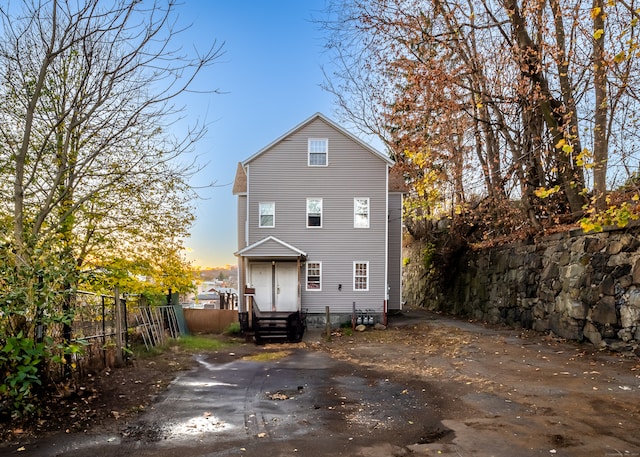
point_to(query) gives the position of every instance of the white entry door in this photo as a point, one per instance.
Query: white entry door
(276, 285)
(262, 280)
(287, 286)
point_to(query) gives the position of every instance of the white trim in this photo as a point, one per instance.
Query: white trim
(273, 204)
(369, 148)
(307, 277)
(326, 152)
(274, 239)
(368, 200)
(321, 213)
(365, 262)
(246, 210)
(386, 243)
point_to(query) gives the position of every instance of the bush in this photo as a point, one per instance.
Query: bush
(20, 363)
(233, 329)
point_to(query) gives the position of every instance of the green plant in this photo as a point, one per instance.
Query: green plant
(200, 343)
(346, 328)
(617, 215)
(233, 329)
(427, 255)
(141, 352)
(20, 361)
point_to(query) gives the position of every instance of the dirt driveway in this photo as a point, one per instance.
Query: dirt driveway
(511, 392)
(428, 385)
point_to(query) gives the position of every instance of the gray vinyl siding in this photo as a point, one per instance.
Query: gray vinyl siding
(242, 221)
(395, 251)
(271, 249)
(281, 175)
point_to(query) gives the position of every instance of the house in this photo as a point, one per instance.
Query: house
(319, 225)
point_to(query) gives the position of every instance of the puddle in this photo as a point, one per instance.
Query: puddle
(197, 425)
(186, 383)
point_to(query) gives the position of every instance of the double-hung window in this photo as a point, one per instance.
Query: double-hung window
(360, 275)
(314, 275)
(267, 215)
(318, 151)
(314, 212)
(361, 212)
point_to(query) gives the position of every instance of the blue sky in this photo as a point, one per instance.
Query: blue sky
(271, 75)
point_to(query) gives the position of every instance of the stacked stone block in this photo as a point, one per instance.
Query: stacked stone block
(577, 286)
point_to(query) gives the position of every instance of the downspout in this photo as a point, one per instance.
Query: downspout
(244, 282)
(299, 287)
(246, 219)
(386, 249)
(400, 291)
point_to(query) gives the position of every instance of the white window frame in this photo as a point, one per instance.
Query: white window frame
(319, 268)
(356, 220)
(308, 213)
(317, 146)
(265, 205)
(357, 276)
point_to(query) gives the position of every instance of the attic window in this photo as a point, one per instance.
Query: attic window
(318, 151)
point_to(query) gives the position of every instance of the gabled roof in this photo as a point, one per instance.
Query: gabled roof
(271, 247)
(240, 181)
(346, 133)
(397, 182)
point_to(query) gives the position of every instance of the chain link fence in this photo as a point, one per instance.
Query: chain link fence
(105, 327)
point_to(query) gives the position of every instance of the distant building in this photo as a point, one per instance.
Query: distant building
(208, 295)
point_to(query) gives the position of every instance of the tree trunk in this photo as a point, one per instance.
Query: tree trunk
(552, 110)
(600, 146)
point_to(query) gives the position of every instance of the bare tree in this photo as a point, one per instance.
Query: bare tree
(88, 91)
(92, 177)
(545, 89)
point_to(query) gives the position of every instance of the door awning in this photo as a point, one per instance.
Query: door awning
(271, 248)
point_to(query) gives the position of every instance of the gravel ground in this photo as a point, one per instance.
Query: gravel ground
(427, 385)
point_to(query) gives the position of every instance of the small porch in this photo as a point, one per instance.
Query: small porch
(273, 326)
(270, 307)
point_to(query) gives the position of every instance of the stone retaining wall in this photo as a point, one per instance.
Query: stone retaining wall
(578, 286)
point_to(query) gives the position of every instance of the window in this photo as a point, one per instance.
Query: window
(314, 276)
(267, 215)
(361, 212)
(314, 212)
(360, 275)
(318, 149)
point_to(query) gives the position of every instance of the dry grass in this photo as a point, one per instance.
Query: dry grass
(267, 356)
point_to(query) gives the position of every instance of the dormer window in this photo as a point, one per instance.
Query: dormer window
(318, 152)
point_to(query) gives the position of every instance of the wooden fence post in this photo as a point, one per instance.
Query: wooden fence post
(328, 322)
